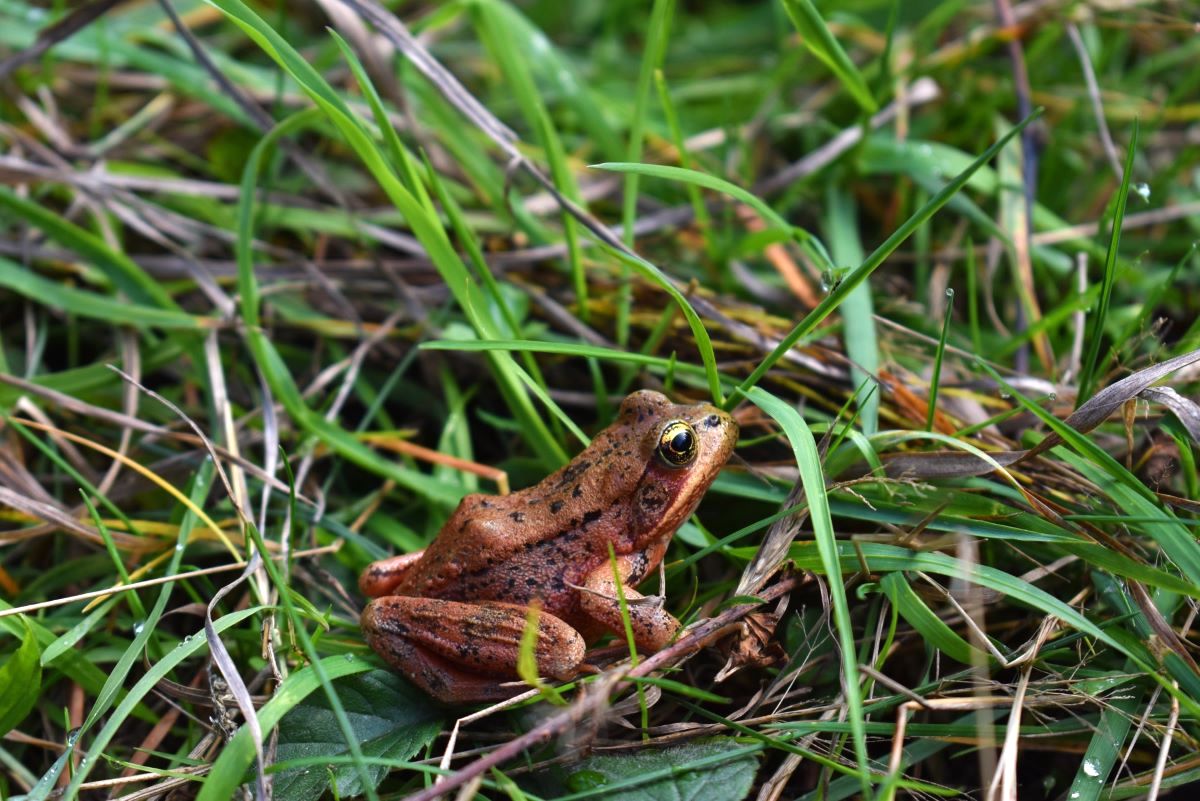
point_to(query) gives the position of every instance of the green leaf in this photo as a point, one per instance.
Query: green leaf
(676, 773)
(20, 681)
(821, 43)
(391, 719)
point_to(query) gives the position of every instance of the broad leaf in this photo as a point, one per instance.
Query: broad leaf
(20, 682)
(679, 773)
(391, 718)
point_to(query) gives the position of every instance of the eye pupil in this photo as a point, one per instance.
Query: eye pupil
(677, 444)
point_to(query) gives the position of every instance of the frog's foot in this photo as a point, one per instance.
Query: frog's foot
(653, 626)
(461, 652)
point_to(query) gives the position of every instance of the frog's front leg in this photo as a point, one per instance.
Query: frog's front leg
(653, 627)
(460, 652)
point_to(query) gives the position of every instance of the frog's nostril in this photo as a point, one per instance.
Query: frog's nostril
(712, 421)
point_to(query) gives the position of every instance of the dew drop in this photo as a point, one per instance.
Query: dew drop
(138, 627)
(950, 292)
(1143, 190)
(830, 278)
(1091, 768)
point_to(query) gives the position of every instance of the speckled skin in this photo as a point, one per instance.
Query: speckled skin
(451, 617)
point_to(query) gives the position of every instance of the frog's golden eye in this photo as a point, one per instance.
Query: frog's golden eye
(677, 444)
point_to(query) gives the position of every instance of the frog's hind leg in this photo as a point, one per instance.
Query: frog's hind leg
(383, 576)
(460, 652)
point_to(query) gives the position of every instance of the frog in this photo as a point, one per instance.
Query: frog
(451, 617)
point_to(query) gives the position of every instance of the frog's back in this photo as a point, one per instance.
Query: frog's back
(537, 541)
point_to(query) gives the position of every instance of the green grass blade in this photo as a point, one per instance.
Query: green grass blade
(652, 58)
(932, 629)
(701, 179)
(499, 28)
(812, 475)
(935, 379)
(59, 295)
(859, 334)
(1123, 487)
(1087, 377)
(568, 349)
(124, 273)
(821, 43)
(703, 341)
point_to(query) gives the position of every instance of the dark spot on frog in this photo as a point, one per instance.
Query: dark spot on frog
(485, 504)
(592, 516)
(575, 470)
(517, 517)
(577, 492)
(556, 507)
(652, 500)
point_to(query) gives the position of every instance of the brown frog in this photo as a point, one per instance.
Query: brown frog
(451, 617)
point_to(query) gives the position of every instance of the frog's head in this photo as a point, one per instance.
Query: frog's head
(682, 448)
